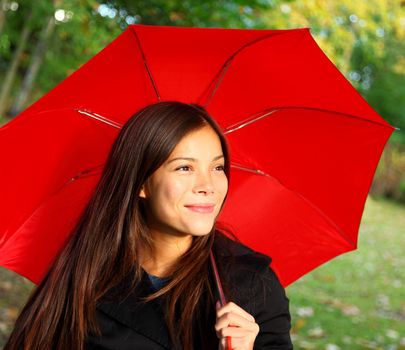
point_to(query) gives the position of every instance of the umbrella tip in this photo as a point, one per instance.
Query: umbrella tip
(396, 128)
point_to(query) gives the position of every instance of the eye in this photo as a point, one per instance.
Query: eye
(183, 167)
(220, 167)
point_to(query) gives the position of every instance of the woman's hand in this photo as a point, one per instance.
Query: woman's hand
(234, 322)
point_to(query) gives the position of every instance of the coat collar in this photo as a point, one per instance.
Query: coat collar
(145, 318)
(226, 247)
(148, 318)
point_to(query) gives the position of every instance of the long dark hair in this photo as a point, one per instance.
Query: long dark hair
(104, 244)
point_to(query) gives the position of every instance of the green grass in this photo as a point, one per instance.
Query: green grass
(356, 301)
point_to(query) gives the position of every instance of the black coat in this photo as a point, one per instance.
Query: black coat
(129, 325)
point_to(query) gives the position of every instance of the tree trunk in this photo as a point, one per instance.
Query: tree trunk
(12, 71)
(35, 64)
(2, 14)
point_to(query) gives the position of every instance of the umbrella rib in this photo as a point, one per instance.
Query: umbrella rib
(250, 170)
(88, 113)
(227, 63)
(146, 64)
(85, 173)
(99, 117)
(80, 175)
(247, 121)
(312, 205)
(253, 119)
(222, 72)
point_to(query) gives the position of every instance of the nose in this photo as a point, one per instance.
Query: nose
(203, 183)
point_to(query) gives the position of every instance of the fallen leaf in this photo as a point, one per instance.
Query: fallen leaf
(12, 312)
(316, 332)
(350, 310)
(299, 323)
(6, 286)
(390, 333)
(306, 311)
(306, 345)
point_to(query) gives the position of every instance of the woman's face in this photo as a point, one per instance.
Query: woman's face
(184, 195)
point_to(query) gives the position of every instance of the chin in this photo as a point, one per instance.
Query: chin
(201, 231)
(200, 234)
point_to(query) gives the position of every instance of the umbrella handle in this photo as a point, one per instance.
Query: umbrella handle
(222, 298)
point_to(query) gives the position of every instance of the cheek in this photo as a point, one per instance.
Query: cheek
(222, 185)
(172, 191)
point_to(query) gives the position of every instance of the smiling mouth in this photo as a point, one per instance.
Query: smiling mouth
(205, 209)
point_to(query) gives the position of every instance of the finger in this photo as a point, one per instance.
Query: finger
(231, 306)
(234, 319)
(236, 333)
(222, 343)
(242, 343)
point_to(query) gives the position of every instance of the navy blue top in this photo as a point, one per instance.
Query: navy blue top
(158, 282)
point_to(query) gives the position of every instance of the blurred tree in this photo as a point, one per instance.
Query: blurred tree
(3, 4)
(63, 35)
(208, 13)
(23, 21)
(35, 61)
(365, 40)
(15, 62)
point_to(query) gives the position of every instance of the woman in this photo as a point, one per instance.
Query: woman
(136, 273)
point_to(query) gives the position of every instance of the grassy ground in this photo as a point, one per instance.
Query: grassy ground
(356, 301)
(14, 291)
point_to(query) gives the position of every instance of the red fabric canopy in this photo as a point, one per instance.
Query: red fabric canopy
(304, 143)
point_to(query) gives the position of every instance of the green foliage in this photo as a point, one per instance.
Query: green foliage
(365, 40)
(208, 13)
(74, 42)
(84, 27)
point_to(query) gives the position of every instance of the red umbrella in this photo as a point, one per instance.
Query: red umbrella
(304, 144)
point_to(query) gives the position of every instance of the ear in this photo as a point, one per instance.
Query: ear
(142, 193)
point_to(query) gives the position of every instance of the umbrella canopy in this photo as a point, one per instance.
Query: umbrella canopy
(304, 144)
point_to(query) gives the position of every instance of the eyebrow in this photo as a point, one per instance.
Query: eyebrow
(193, 159)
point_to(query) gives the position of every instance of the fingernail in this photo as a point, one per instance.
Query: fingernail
(217, 305)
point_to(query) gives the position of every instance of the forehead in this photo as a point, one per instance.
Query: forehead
(204, 140)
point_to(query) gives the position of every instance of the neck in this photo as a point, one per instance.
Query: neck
(167, 251)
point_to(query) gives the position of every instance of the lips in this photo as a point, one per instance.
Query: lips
(201, 207)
